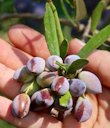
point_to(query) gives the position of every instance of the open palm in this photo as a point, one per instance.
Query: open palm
(27, 43)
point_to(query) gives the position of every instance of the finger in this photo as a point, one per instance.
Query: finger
(71, 122)
(8, 86)
(11, 56)
(99, 61)
(75, 45)
(31, 121)
(28, 40)
(103, 119)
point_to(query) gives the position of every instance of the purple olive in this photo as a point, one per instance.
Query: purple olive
(92, 82)
(51, 62)
(71, 58)
(41, 99)
(21, 105)
(23, 75)
(60, 85)
(83, 109)
(45, 79)
(77, 87)
(36, 65)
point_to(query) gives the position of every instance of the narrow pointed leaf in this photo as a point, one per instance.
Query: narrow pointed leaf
(96, 41)
(57, 22)
(70, 3)
(62, 66)
(50, 31)
(76, 65)
(67, 14)
(96, 15)
(81, 11)
(60, 71)
(63, 48)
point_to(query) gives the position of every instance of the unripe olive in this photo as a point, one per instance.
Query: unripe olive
(23, 75)
(45, 79)
(30, 88)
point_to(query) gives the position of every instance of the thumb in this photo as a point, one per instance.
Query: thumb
(99, 61)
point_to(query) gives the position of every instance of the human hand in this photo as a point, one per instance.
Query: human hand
(33, 44)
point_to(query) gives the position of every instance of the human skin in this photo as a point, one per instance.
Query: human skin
(28, 43)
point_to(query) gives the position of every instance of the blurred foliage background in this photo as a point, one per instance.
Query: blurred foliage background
(79, 18)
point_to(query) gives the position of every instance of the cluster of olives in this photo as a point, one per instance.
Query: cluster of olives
(45, 87)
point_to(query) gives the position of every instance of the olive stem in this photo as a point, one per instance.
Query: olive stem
(26, 92)
(61, 116)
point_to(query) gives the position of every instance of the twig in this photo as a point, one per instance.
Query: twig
(7, 16)
(86, 31)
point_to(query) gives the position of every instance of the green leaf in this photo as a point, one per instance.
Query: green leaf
(63, 48)
(62, 66)
(30, 88)
(60, 71)
(66, 32)
(57, 22)
(70, 3)
(96, 41)
(96, 15)
(81, 11)
(64, 100)
(76, 65)
(50, 31)
(67, 14)
(5, 6)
